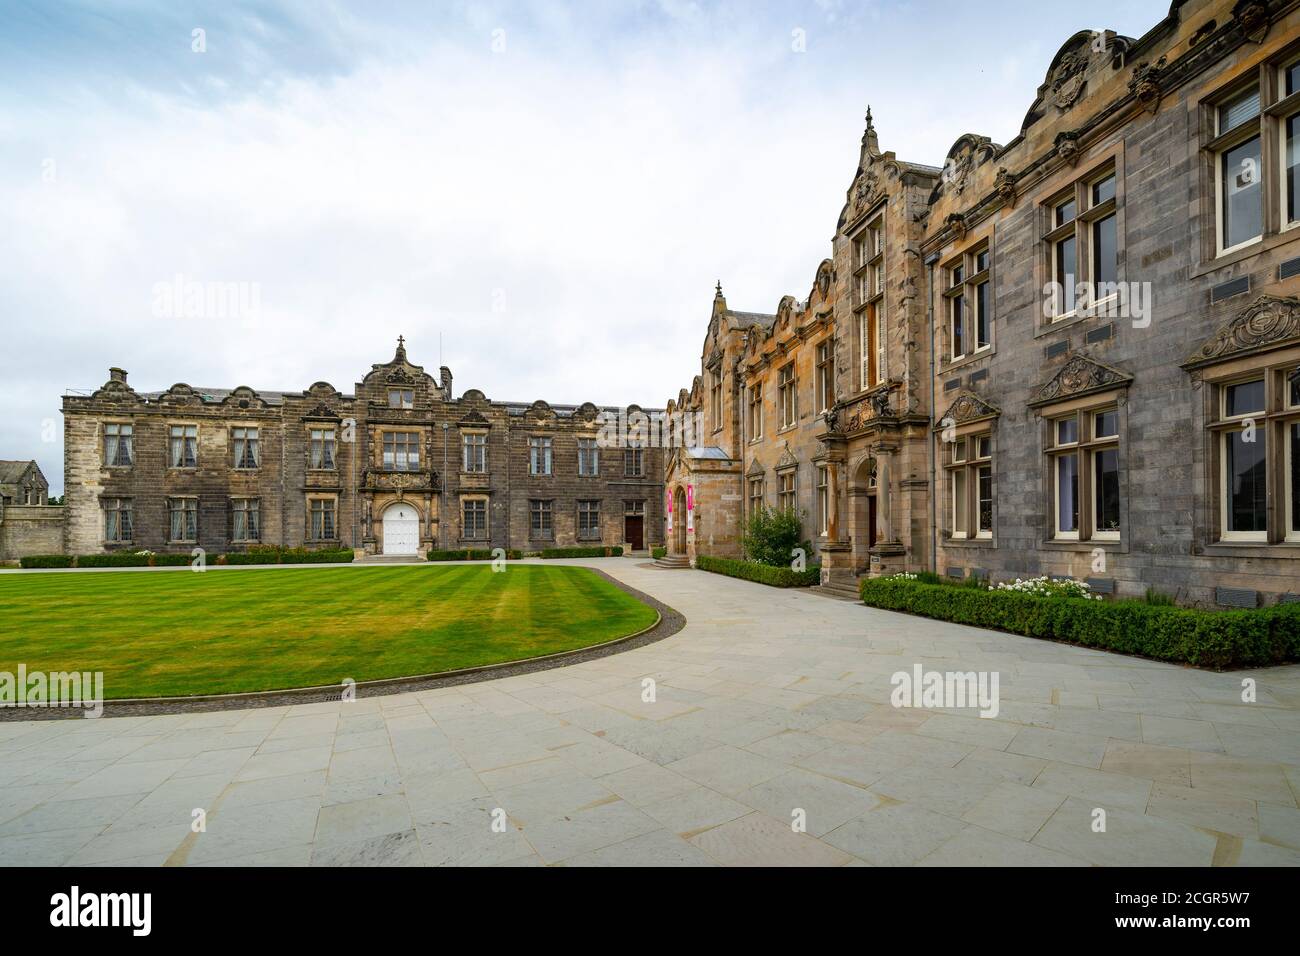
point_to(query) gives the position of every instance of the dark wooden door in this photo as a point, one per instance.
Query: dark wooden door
(634, 531)
(871, 521)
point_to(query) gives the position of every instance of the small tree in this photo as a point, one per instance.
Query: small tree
(772, 536)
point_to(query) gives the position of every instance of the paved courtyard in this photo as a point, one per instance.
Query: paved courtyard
(770, 709)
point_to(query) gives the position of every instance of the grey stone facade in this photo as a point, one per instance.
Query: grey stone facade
(329, 466)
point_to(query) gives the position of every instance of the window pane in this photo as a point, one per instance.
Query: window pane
(1105, 266)
(1291, 172)
(985, 447)
(1243, 207)
(1065, 212)
(1247, 481)
(981, 260)
(1067, 493)
(986, 498)
(1106, 488)
(983, 335)
(1103, 190)
(959, 501)
(1245, 397)
(1237, 111)
(1295, 393)
(1292, 78)
(1105, 424)
(1295, 476)
(1066, 264)
(958, 328)
(1067, 431)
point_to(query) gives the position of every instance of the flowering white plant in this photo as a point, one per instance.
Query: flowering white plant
(902, 576)
(1044, 586)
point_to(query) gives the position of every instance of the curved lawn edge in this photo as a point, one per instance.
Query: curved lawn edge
(669, 621)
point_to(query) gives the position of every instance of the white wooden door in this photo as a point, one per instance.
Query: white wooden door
(401, 530)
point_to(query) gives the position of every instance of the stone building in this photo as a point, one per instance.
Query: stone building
(399, 466)
(1089, 338)
(29, 524)
(22, 483)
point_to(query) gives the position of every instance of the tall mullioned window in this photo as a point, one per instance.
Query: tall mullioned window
(245, 443)
(473, 522)
(184, 515)
(322, 448)
(118, 524)
(1083, 246)
(1084, 455)
(539, 456)
(825, 375)
(633, 462)
(321, 513)
(786, 496)
(869, 302)
(541, 524)
(118, 450)
(246, 519)
(474, 453)
(589, 520)
(756, 410)
(588, 458)
(401, 451)
(970, 481)
(183, 446)
(787, 396)
(823, 500)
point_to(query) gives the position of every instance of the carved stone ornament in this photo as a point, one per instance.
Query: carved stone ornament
(1254, 19)
(1079, 376)
(322, 411)
(866, 192)
(1067, 80)
(1145, 84)
(967, 407)
(399, 376)
(787, 459)
(1266, 323)
(956, 223)
(832, 417)
(1067, 146)
(1005, 186)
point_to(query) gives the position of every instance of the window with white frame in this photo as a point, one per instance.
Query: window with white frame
(588, 458)
(246, 519)
(823, 499)
(1289, 119)
(1084, 459)
(969, 464)
(825, 366)
(321, 514)
(1083, 246)
(541, 525)
(473, 519)
(401, 451)
(786, 495)
(244, 441)
(473, 446)
(183, 449)
(969, 304)
(756, 410)
(118, 450)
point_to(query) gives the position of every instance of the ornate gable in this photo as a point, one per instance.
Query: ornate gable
(967, 407)
(1267, 323)
(1080, 375)
(787, 459)
(756, 470)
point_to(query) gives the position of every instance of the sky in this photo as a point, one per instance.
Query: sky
(538, 194)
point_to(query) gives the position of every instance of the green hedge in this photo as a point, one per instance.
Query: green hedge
(172, 560)
(1215, 639)
(274, 554)
(118, 559)
(471, 554)
(46, 561)
(658, 553)
(582, 552)
(781, 577)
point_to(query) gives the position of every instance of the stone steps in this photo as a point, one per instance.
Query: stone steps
(838, 591)
(673, 561)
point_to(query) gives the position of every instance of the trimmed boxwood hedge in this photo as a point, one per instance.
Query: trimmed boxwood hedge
(46, 561)
(582, 552)
(118, 559)
(1214, 639)
(274, 554)
(172, 560)
(470, 554)
(658, 553)
(780, 577)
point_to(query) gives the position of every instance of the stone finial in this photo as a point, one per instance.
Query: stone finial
(869, 134)
(400, 355)
(718, 291)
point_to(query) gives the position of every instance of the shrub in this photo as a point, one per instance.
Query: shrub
(172, 560)
(613, 552)
(1047, 587)
(46, 561)
(782, 577)
(1184, 635)
(1158, 598)
(274, 554)
(117, 559)
(658, 553)
(470, 554)
(771, 537)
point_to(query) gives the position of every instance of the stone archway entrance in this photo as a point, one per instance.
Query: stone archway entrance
(679, 521)
(401, 525)
(864, 493)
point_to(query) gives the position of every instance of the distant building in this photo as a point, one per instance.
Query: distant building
(22, 483)
(28, 523)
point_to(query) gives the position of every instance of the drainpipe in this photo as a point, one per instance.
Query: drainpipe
(934, 499)
(442, 516)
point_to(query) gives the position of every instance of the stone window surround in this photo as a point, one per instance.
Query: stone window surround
(984, 428)
(197, 530)
(103, 438)
(538, 507)
(334, 458)
(246, 540)
(122, 505)
(1117, 399)
(754, 393)
(377, 455)
(866, 346)
(487, 517)
(717, 397)
(256, 429)
(792, 471)
(824, 373)
(1268, 75)
(198, 434)
(1077, 184)
(965, 257)
(465, 447)
(591, 535)
(307, 536)
(787, 389)
(548, 458)
(595, 439)
(1273, 367)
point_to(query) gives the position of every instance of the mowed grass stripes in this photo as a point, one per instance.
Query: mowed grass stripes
(179, 633)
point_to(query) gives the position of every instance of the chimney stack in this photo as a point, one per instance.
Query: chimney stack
(117, 375)
(446, 383)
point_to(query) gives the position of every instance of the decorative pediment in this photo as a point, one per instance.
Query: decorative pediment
(321, 412)
(587, 412)
(1080, 375)
(323, 390)
(756, 470)
(787, 459)
(244, 397)
(181, 394)
(1267, 323)
(1088, 51)
(116, 391)
(474, 419)
(540, 411)
(967, 407)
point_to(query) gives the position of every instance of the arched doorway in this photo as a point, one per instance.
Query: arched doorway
(401, 529)
(865, 495)
(679, 521)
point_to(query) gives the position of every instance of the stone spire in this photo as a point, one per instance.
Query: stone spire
(869, 135)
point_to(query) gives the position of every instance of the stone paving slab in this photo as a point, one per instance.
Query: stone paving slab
(769, 740)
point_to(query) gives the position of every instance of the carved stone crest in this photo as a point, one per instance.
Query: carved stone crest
(1005, 186)
(1145, 84)
(1267, 322)
(1079, 376)
(1067, 80)
(967, 407)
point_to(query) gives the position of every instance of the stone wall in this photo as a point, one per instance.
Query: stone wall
(30, 529)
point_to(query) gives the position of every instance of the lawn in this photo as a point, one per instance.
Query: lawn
(176, 633)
